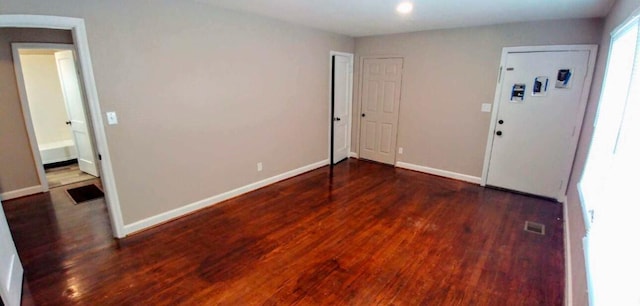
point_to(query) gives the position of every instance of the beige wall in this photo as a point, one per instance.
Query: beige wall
(17, 168)
(620, 11)
(448, 74)
(46, 103)
(212, 93)
(202, 95)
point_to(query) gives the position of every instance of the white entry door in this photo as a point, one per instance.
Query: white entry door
(10, 267)
(75, 108)
(381, 84)
(539, 113)
(342, 79)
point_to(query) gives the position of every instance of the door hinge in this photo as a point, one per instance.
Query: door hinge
(592, 215)
(99, 156)
(500, 74)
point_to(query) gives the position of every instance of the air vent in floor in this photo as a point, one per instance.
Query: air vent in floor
(534, 227)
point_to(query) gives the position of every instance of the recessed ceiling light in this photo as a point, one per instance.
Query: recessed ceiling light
(404, 7)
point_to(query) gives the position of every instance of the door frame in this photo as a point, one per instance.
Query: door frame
(79, 33)
(24, 102)
(349, 102)
(584, 97)
(360, 87)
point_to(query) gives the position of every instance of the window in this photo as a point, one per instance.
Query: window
(610, 185)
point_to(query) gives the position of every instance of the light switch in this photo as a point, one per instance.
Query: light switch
(486, 108)
(112, 118)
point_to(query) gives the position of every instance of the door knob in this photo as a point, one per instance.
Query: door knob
(363, 115)
(499, 133)
(500, 121)
(337, 119)
(68, 123)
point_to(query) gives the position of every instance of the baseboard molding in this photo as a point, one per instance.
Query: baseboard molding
(439, 172)
(8, 195)
(60, 163)
(189, 208)
(353, 154)
(568, 281)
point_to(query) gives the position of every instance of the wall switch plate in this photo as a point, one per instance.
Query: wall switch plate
(259, 166)
(486, 107)
(112, 118)
(400, 150)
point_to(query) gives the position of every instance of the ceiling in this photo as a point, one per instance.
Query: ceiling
(373, 17)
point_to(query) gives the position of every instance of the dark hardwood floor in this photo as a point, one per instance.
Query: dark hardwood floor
(365, 234)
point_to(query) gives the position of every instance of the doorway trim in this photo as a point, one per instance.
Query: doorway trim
(24, 102)
(584, 97)
(26, 113)
(349, 103)
(79, 33)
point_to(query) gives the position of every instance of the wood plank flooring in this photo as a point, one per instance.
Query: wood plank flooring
(364, 234)
(66, 175)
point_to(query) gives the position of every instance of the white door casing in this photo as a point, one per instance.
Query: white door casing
(343, 76)
(380, 106)
(11, 270)
(26, 113)
(532, 142)
(74, 101)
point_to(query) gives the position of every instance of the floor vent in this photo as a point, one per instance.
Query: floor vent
(533, 227)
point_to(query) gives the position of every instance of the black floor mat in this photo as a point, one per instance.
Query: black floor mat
(85, 193)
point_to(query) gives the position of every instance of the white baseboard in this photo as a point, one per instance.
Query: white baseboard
(439, 172)
(8, 195)
(568, 285)
(189, 208)
(353, 154)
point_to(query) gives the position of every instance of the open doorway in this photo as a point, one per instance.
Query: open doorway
(55, 114)
(77, 29)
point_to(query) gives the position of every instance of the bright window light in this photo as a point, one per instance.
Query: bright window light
(404, 7)
(609, 184)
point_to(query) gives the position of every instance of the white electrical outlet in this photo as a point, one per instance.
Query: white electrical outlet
(259, 166)
(486, 108)
(400, 150)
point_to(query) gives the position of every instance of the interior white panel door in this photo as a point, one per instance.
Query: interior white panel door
(75, 108)
(381, 84)
(532, 149)
(11, 270)
(342, 111)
